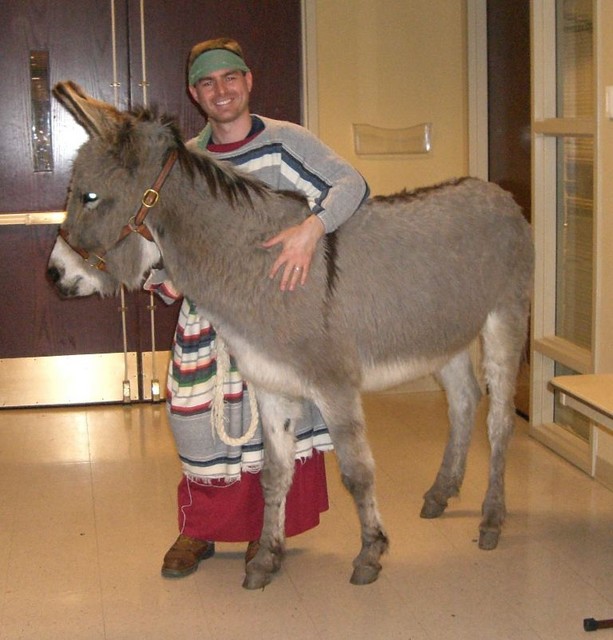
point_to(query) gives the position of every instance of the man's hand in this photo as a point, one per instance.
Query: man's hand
(299, 244)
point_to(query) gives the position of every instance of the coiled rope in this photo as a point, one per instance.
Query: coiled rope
(218, 418)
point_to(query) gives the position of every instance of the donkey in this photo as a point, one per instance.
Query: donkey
(398, 292)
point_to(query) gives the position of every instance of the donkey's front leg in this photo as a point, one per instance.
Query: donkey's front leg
(342, 412)
(278, 415)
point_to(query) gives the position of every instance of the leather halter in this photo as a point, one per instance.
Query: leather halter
(136, 224)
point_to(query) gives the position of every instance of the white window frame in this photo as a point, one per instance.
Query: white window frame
(546, 347)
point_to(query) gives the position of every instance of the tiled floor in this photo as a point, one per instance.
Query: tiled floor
(87, 510)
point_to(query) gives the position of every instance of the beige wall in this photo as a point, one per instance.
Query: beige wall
(394, 64)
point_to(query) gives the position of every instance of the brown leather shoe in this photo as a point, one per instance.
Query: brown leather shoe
(252, 548)
(185, 555)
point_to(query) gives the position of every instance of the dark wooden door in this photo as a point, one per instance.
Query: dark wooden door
(508, 54)
(508, 51)
(129, 52)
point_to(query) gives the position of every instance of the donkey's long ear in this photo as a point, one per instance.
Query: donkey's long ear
(96, 117)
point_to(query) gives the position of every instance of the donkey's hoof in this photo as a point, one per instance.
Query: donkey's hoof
(432, 509)
(365, 574)
(256, 580)
(488, 540)
(261, 568)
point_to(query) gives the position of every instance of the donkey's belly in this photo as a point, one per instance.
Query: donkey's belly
(263, 370)
(385, 375)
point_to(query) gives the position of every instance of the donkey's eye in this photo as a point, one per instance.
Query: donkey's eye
(90, 200)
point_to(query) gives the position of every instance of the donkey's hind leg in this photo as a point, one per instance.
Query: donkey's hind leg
(342, 412)
(278, 415)
(504, 336)
(463, 394)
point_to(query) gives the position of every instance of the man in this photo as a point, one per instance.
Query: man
(219, 496)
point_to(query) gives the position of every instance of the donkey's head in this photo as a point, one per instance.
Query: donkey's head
(113, 173)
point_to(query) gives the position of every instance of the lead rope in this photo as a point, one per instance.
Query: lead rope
(218, 420)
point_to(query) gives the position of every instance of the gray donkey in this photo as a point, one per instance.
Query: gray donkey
(398, 292)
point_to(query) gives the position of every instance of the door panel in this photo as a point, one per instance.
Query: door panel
(76, 379)
(509, 152)
(35, 321)
(81, 46)
(508, 53)
(36, 324)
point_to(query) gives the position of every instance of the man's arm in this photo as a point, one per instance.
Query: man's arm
(335, 191)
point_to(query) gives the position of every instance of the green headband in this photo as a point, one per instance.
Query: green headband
(214, 60)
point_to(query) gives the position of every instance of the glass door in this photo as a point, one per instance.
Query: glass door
(563, 128)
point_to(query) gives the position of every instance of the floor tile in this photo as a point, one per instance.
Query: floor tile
(88, 511)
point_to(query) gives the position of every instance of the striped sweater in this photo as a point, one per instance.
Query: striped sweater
(287, 156)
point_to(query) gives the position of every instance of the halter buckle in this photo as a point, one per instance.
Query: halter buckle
(150, 198)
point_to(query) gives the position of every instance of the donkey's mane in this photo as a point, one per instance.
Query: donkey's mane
(415, 194)
(222, 178)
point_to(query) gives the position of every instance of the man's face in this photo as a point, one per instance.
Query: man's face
(223, 95)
